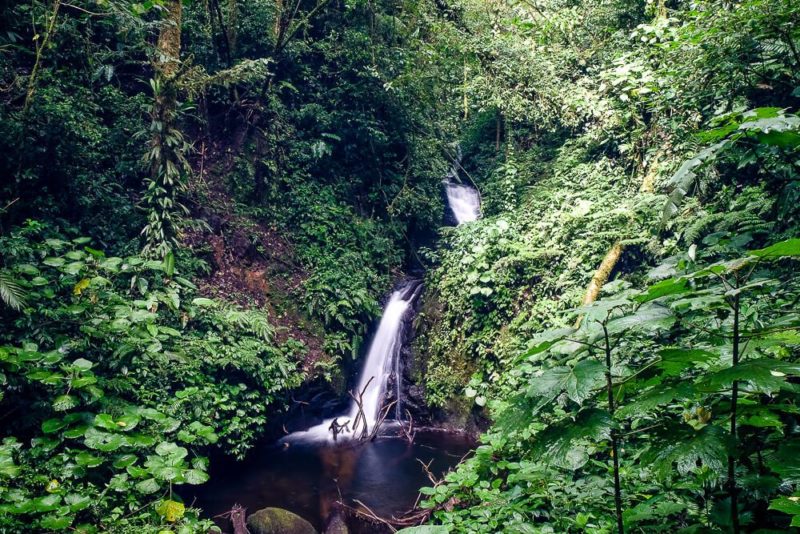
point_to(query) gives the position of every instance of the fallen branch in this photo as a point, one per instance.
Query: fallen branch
(237, 516)
(381, 419)
(601, 277)
(409, 433)
(360, 417)
(372, 515)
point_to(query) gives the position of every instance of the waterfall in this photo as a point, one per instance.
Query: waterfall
(383, 358)
(381, 363)
(463, 201)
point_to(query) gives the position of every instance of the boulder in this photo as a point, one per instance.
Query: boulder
(278, 521)
(336, 525)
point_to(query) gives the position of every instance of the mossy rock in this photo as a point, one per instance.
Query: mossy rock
(278, 521)
(336, 525)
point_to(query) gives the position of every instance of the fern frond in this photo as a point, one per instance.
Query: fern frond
(253, 322)
(11, 293)
(699, 227)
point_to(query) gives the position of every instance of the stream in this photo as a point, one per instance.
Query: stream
(309, 471)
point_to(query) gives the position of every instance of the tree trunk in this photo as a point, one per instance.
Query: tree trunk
(168, 47)
(41, 46)
(733, 491)
(233, 18)
(466, 102)
(601, 276)
(277, 30)
(166, 157)
(614, 437)
(498, 130)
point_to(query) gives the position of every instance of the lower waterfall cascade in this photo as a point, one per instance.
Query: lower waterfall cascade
(381, 363)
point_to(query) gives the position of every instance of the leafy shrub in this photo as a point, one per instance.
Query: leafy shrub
(121, 378)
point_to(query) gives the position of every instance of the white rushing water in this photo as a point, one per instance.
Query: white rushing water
(464, 201)
(381, 362)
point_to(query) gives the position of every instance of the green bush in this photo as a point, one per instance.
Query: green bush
(120, 378)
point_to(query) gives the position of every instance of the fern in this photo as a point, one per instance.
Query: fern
(684, 179)
(11, 292)
(253, 322)
(698, 228)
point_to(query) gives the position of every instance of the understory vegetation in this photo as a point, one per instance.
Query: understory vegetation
(204, 202)
(627, 308)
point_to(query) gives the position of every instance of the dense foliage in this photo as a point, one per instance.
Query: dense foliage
(183, 138)
(668, 166)
(113, 375)
(203, 203)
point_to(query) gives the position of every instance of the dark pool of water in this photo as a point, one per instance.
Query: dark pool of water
(308, 479)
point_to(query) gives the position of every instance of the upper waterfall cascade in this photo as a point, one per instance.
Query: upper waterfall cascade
(464, 201)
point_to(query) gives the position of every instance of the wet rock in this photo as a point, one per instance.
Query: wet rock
(336, 525)
(414, 402)
(278, 521)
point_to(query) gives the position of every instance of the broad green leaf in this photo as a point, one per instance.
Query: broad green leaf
(51, 426)
(75, 432)
(579, 381)
(123, 461)
(169, 264)
(656, 507)
(687, 451)
(171, 511)
(54, 261)
(785, 461)
(788, 248)
(63, 403)
(664, 288)
(77, 502)
(568, 443)
(147, 486)
(675, 361)
(56, 522)
(103, 441)
(195, 476)
(171, 450)
(764, 375)
(82, 363)
(652, 399)
(648, 318)
(47, 503)
(104, 420)
(787, 505)
(88, 460)
(545, 340)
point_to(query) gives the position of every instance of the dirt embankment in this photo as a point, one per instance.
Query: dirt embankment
(251, 263)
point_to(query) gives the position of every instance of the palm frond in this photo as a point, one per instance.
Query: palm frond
(11, 293)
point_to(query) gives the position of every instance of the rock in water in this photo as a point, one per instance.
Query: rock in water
(336, 525)
(278, 521)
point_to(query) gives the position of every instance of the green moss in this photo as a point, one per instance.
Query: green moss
(278, 521)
